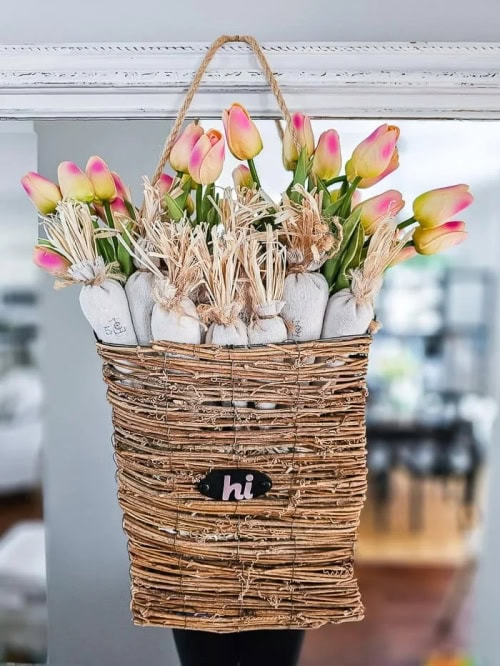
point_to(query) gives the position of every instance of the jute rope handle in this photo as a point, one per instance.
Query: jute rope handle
(223, 39)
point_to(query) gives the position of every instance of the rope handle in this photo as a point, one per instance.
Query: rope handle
(220, 41)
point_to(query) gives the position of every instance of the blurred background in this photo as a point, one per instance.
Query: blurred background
(433, 402)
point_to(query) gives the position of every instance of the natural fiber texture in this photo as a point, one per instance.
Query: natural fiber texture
(283, 560)
(181, 115)
(383, 248)
(306, 233)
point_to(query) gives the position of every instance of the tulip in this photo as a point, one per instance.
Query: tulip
(304, 138)
(242, 136)
(43, 193)
(379, 208)
(118, 206)
(432, 208)
(436, 239)
(122, 190)
(327, 156)
(183, 147)
(74, 183)
(190, 205)
(164, 184)
(50, 261)
(207, 158)
(101, 178)
(369, 182)
(372, 157)
(242, 177)
(405, 254)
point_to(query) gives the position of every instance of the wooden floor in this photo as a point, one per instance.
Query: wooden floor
(402, 604)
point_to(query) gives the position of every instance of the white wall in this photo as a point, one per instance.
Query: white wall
(88, 581)
(33, 21)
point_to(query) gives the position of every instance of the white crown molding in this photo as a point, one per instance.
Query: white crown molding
(414, 80)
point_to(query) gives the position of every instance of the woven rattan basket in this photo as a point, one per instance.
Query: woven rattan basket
(283, 559)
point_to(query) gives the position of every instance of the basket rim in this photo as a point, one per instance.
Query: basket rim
(157, 344)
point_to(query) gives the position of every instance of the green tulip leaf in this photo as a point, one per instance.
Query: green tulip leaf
(351, 259)
(300, 175)
(175, 208)
(331, 268)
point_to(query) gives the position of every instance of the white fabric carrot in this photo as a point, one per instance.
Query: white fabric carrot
(351, 311)
(102, 298)
(264, 264)
(309, 244)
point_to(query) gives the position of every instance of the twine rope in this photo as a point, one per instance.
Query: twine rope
(181, 116)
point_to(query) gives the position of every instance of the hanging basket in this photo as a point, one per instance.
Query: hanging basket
(241, 471)
(191, 437)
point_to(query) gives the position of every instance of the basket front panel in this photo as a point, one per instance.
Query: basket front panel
(293, 412)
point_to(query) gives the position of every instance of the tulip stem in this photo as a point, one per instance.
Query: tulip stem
(131, 209)
(199, 198)
(253, 172)
(344, 211)
(338, 179)
(109, 214)
(407, 223)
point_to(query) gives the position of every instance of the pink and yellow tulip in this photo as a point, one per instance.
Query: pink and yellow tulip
(50, 261)
(369, 182)
(183, 147)
(432, 208)
(164, 184)
(436, 239)
(327, 159)
(371, 158)
(101, 178)
(242, 177)
(122, 190)
(207, 158)
(43, 193)
(118, 207)
(379, 208)
(242, 136)
(304, 138)
(74, 183)
(405, 254)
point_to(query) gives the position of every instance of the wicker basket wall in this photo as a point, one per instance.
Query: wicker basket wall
(281, 560)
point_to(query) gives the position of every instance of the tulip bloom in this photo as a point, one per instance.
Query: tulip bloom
(432, 208)
(379, 208)
(122, 190)
(372, 157)
(50, 261)
(183, 147)
(242, 136)
(101, 178)
(118, 206)
(207, 158)
(164, 184)
(437, 239)
(242, 177)
(304, 137)
(369, 182)
(43, 193)
(327, 156)
(405, 254)
(74, 183)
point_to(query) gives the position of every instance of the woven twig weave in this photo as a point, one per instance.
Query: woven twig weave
(282, 560)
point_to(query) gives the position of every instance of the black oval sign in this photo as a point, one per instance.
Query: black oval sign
(234, 485)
